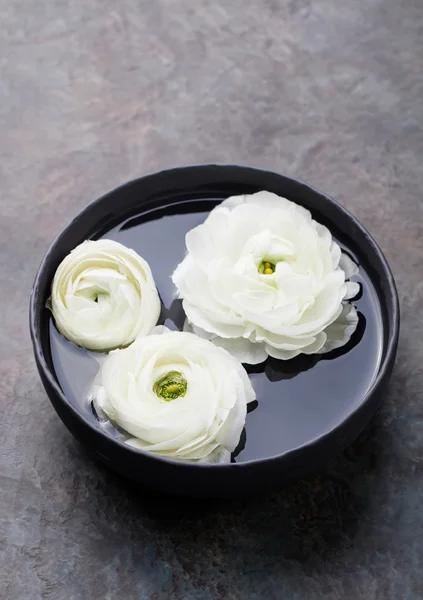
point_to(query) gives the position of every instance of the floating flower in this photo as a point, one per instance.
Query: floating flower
(103, 296)
(261, 278)
(176, 395)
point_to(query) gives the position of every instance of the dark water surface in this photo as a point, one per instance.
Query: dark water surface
(297, 400)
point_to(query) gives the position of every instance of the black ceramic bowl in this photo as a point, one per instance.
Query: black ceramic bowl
(309, 408)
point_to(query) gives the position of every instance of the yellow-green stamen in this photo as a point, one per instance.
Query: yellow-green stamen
(171, 386)
(266, 268)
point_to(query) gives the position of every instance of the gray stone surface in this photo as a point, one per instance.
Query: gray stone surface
(95, 92)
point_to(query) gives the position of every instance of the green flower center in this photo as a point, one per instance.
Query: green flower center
(266, 268)
(171, 386)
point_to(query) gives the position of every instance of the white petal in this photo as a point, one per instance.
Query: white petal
(160, 330)
(242, 349)
(340, 331)
(313, 347)
(203, 320)
(219, 456)
(353, 289)
(348, 266)
(336, 254)
(268, 201)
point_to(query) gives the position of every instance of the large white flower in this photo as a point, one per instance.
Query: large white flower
(261, 277)
(103, 296)
(178, 395)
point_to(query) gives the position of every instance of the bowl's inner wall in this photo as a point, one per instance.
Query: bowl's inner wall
(299, 400)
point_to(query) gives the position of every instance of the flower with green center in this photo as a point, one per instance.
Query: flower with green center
(176, 395)
(171, 386)
(262, 278)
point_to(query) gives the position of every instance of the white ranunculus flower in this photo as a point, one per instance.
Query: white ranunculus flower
(261, 278)
(103, 296)
(178, 395)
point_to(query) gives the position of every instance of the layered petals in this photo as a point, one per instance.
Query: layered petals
(261, 277)
(103, 296)
(176, 395)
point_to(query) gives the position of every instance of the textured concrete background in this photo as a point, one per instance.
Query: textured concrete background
(95, 92)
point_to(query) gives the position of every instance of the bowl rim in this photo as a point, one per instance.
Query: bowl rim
(385, 366)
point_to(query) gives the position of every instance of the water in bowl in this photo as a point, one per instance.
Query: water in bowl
(297, 400)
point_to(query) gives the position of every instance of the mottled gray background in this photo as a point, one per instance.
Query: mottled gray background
(95, 92)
